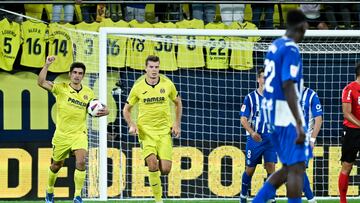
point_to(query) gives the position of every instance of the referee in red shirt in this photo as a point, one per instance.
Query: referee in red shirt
(351, 138)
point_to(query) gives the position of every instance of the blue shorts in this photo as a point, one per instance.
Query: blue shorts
(256, 150)
(283, 139)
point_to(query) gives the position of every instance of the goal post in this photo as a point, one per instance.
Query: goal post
(337, 48)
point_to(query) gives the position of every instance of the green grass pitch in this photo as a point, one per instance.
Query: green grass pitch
(172, 201)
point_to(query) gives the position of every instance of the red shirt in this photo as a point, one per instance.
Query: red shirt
(351, 94)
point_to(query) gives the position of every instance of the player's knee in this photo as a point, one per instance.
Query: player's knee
(165, 170)
(250, 171)
(270, 167)
(152, 165)
(346, 167)
(80, 164)
(56, 166)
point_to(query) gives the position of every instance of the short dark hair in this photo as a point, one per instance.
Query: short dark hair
(151, 58)
(77, 65)
(357, 69)
(259, 71)
(294, 17)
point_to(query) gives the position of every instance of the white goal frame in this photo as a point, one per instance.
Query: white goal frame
(104, 31)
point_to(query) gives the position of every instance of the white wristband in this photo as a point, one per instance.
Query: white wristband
(312, 139)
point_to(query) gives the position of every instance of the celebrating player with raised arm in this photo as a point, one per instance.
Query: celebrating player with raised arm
(312, 110)
(351, 139)
(258, 142)
(282, 110)
(153, 93)
(70, 136)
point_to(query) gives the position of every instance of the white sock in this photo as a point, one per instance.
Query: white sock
(312, 200)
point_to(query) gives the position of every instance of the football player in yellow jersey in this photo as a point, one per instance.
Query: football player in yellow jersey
(70, 136)
(153, 93)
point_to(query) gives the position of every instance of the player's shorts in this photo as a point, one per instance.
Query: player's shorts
(63, 146)
(350, 144)
(256, 150)
(159, 145)
(284, 141)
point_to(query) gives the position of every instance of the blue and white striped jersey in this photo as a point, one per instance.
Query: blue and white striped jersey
(251, 109)
(311, 107)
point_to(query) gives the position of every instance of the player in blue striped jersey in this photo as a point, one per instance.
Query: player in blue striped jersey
(312, 110)
(258, 142)
(282, 110)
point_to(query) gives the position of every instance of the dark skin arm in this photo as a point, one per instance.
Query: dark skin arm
(290, 96)
(346, 107)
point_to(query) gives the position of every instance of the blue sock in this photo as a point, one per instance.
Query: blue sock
(294, 200)
(307, 190)
(267, 192)
(273, 197)
(246, 180)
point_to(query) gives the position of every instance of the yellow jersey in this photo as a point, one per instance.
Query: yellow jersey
(242, 47)
(116, 52)
(60, 46)
(217, 48)
(34, 35)
(34, 10)
(71, 108)
(154, 113)
(190, 48)
(10, 43)
(87, 50)
(164, 48)
(138, 48)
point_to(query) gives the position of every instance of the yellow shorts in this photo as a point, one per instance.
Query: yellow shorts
(160, 145)
(63, 147)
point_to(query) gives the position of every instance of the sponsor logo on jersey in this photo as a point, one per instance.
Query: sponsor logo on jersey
(152, 100)
(318, 107)
(243, 108)
(77, 102)
(294, 70)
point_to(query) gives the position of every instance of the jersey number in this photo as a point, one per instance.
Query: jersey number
(191, 43)
(165, 45)
(90, 44)
(113, 47)
(269, 74)
(140, 45)
(220, 45)
(60, 47)
(34, 47)
(7, 45)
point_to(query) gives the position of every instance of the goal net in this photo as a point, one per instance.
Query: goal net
(213, 70)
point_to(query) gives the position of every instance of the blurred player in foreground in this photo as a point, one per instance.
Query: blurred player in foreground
(282, 110)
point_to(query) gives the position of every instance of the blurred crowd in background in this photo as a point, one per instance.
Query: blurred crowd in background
(264, 16)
